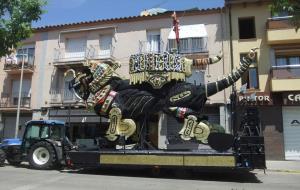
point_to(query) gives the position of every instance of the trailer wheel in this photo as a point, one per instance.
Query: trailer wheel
(42, 156)
(13, 162)
(2, 157)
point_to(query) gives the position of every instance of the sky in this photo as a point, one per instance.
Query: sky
(70, 11)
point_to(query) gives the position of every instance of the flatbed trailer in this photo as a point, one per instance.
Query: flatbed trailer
(247, 153)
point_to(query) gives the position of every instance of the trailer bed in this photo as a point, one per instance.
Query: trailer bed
(195, 158)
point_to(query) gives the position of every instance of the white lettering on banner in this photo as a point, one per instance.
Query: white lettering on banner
(294, 97)
(255, 98)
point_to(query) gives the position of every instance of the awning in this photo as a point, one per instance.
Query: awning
(189, 31)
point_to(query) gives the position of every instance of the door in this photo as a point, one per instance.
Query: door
(291, 130)
(105, 43)
(68, 94)
(25, 93)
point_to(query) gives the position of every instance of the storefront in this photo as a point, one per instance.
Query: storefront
(8, 124)
(291, 124)
(270, 119)
(82, 123)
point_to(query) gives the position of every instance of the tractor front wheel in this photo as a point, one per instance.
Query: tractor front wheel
(42, 156)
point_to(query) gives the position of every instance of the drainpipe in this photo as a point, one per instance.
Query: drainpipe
(19, 99)
(233, 88)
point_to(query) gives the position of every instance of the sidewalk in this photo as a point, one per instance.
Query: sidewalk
(284, 166)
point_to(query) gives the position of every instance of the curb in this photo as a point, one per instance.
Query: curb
(283, 171)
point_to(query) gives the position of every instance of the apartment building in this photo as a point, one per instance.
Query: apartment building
(54, 49)
(272, 83)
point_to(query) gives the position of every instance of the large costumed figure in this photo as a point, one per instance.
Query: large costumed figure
(157, 84)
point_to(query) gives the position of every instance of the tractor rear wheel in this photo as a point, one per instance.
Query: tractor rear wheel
(2, 157)
(42, 156)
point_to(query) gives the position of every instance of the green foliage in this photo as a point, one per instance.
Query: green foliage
(16, 17)
(292, 7)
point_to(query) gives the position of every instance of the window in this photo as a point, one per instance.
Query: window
(33, 132)
(287, 60)
(250, 77)
(189, 45)
(55, 133)
(25, 94)
(27, 54)
(247, 28)
(153, 41)
(105, 46)
(197, 77)
(75, 48)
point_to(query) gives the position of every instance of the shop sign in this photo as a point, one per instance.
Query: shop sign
(295, 123)
(294, 97)
(257, 98)
(291, 98)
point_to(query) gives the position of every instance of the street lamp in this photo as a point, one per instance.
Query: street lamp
(19, 97)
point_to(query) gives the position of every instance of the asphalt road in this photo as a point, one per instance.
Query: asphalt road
(23, 178)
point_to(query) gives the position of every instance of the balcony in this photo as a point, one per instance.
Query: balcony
(190, 46)
(77, 56)
(97, 53)
(147, 47)
(13, 64)
(10, 101)
(63, 96)
(285, 78)
(280, 31)
(68, 57)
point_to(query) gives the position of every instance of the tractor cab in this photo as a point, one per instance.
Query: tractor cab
(42, 145)
(44, 130)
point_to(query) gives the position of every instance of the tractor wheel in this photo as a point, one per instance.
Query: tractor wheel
(42, 156)
(2, 157)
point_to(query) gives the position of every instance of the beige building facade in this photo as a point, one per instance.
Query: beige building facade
(272, 84)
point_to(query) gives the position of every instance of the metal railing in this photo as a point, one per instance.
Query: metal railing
(11, 100)
(279, 22)
(189, 45)
(60, 96)
(285, 72)
(15, 61)
(70, 54)
(82, 53)
(147, 47)
(96, 52)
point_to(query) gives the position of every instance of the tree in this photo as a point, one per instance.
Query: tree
(16, 17)
(292, 7)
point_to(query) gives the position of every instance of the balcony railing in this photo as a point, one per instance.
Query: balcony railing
(189, 45)
(14, 62)
(83, 53)
(147, 47)
(279, 23)
(286, 72)
(96, 52)
(70, 54)
(11, 100)
(61, 96)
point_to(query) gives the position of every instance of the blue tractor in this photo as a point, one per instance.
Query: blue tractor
(43, 145)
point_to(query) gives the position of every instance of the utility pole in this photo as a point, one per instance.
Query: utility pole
(19, 98)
